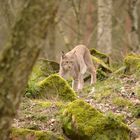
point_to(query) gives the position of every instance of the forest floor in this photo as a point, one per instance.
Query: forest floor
(117, 94)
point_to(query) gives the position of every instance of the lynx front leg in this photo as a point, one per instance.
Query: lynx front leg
(75, 84)
(61, 72)
(93, 74)
(80, 82)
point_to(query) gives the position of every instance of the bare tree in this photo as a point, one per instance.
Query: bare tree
(133, 13)
(90, 23)
(76, 9)
(104, 31)
(19, 55)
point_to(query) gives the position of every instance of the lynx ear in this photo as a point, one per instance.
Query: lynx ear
(63, 54)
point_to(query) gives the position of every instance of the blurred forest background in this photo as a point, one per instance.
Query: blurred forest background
(110, 26)
(34, 29)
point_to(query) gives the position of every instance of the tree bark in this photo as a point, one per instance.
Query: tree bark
(104, 31)
(89, 23)
(134, 36)
(51, 42)
(19, 55)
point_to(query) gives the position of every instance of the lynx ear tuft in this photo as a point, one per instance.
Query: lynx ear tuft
(63, 54)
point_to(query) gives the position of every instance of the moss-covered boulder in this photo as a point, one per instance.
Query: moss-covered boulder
(101, 60)
(83, 122)
(27, 134)
(101, 64)
(48, 67)
(100, 55)
(103, 69)
(132, 63)
(41, 70)
(55, 87)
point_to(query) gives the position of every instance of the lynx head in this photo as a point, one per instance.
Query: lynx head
(67, 62)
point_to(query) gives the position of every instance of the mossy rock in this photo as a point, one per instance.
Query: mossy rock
(56, 87)
(83, 122)
(102, 61)
(132, 63)
(103, 70)
(27, 134)
(42, 69)
(100, 55)
(48, 67)
(102, 65)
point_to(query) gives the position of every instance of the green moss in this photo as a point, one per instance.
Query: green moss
(103, 95)
(138, 122)
(27, 134)
(102, 64)
(100, 55)
(42, 69)
(60, 104)
(81, 121)
(56, 87)
(36, 114)
(135, 110)
(132, 63)
(120, 70)
(44, 104)
(137, 91)
(101, 75)
(33, 126)
(121, 102)
(48, 67)
(103, 70)
(107, 90)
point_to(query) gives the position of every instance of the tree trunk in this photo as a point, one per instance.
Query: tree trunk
(51, 42)
(134, 36)
(104, 31)
(89, 23)
(19, 55)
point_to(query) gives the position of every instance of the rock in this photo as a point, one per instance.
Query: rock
(100, 55)
(27, 134)
(132, 63)
(54, 87)
(83, 122)
(103, 70)
(42, 69)
(101, 62)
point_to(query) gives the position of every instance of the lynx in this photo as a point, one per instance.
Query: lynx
(76, 63)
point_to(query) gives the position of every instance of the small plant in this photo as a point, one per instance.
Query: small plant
(135, 111)
(121, 102)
